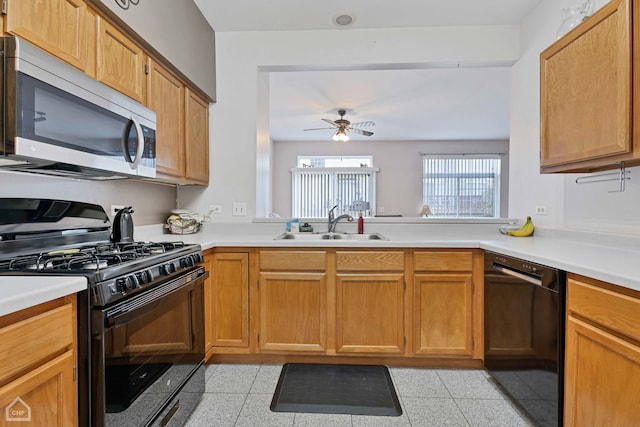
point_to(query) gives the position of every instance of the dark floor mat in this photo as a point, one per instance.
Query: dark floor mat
(336, 389)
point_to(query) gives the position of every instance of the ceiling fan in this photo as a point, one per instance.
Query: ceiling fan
(344, 126)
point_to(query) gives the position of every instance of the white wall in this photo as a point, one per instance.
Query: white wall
(399, 185)
(572, 206)
(151, 202)
(243, 56)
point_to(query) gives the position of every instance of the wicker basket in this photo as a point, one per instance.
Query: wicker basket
(183, 222)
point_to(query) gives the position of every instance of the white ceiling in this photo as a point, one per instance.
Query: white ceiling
(416, 104)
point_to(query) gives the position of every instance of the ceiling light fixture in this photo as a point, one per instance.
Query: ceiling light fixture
(341, 135)
(344, 20)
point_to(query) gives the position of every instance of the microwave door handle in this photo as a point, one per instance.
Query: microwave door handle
(133, 163)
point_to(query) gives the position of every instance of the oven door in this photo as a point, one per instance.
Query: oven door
(145, 349)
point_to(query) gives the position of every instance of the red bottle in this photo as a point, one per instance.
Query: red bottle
(360, 224)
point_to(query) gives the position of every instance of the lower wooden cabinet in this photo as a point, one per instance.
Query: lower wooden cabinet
(293, 312)
(602, 368)
(370, 313)
(447, 308)
(226, 296)
(292, 299)
(38, 359)
(443, 314)
(323, 302)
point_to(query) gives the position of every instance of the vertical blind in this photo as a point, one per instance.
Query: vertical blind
(462, 186)
(316, 190)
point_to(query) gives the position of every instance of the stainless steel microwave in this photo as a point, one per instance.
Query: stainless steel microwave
(59, 121)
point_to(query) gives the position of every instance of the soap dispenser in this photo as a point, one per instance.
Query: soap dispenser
(360, 223)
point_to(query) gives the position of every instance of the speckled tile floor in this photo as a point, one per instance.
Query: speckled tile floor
(240, 395)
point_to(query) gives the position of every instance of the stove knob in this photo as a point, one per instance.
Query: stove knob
(186, 262)
(197, 258)
(167, 269)
(121, 285)
(144, 277)
(132, 282)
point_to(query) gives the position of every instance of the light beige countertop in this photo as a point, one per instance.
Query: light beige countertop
(20, 292)
(608, 257)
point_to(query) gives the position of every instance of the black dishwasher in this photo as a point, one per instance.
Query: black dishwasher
(524, 334)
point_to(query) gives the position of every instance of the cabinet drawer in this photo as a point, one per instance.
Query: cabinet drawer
(443, 261)
(370, 261)
(34, 340)
(607, 308)
(293, 260)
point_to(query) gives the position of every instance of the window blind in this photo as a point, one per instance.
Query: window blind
(316, 190)
(462, 186)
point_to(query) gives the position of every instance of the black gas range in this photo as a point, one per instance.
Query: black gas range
(141, 320)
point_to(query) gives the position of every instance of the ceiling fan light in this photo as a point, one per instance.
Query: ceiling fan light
(341, 136)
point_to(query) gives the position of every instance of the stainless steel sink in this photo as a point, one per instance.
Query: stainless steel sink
(330, 236)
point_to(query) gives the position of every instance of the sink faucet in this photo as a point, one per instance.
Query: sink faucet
(334, 221)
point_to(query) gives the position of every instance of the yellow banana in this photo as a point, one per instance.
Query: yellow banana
(524, 231)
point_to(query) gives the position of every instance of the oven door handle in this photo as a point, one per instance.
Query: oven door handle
(514, 273)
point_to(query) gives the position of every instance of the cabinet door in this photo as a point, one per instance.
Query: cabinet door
(227, 300)
(57, 26)
(443, 310)
(45, 396)
(120, 62)
(586, 90)
(196, 139)
(370, 313)
(165, 96)
(293, 312)
(602, 378)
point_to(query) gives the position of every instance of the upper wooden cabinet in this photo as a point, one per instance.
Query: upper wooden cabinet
(57, 26)
(166, 96)
(196, 139)
(602, 370)
(588, 94)
(120, 62)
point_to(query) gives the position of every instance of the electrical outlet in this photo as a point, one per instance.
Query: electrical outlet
(381, 209)
(239, 209)
(215, 209)
(541, 210)
(115, 209)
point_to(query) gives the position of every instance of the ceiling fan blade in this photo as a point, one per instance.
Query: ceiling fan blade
(363, 124)
(318, 129)
(331, 122)
(361, 132)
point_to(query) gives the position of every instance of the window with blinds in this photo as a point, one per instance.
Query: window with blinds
(316, 190)
(462, 186)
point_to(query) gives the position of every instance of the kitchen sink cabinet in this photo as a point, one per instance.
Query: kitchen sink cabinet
(602, 370)
(38, 359)
(120, 61)
(370, 302)
(226, 296)
(447, 308)
(292, 291)
(589, 94)
(57, 26)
